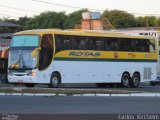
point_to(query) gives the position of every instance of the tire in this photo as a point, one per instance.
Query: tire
(152, 84)
(101, 85)
(135, 80)
(125, 80)
(29, 84)
(54, 81)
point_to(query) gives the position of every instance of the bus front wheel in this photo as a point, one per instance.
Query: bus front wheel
(55, 80)
(125, 80)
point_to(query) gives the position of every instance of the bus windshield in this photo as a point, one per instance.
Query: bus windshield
(22, 59)
(25, 41)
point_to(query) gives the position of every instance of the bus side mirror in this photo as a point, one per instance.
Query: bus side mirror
(35, 51)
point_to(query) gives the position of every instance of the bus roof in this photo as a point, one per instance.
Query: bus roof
(80, 32)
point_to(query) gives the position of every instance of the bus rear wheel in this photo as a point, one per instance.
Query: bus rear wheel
(29, 84)
(55, 80)
(135, 80)
(125, 80)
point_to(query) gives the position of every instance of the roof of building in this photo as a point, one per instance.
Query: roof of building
(139, 28)
(6, 24)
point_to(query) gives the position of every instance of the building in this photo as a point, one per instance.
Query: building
(6, 32)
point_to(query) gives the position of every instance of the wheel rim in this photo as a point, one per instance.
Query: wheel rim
(125, 81)
(135, 81)
(55, 81)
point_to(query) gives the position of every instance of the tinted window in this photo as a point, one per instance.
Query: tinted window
(80, 43)
(63, 42)
(151, 45)
(96, 43)
(111, 44)
(142, 45)
(67, 42)
(126, 44)
(46, 52)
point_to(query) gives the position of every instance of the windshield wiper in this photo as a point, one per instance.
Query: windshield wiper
(20, 59)
(23, 66)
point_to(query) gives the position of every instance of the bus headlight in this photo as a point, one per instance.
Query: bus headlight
(10, 73)
(31, 74)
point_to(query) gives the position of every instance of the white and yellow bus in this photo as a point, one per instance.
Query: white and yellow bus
(53, 56)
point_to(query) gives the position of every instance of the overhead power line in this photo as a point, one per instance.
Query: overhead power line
(45, 2)
(8, 15)
(71, 7)
(146, 14)
(51, 3)
(17, 8)
(63, 5)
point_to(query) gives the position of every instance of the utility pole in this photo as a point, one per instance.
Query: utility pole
(90, 22)
(147, 25)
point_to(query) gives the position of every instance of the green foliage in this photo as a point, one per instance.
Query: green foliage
(23, 20)
(47, 20)
(158, 22)
(119, 19)
(10, 20)
(51, 19)
(74, 18)
(147, 20)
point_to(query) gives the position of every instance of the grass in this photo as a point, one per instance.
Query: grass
(63, 91)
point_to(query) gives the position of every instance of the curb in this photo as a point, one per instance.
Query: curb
(84, 95)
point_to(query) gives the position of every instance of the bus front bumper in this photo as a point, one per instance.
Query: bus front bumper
(22, 79)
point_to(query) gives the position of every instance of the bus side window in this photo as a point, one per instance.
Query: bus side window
(63, 42)
(91, 43)
(58, 43)
(75, 43)
(67, 41)
(83, 43)
(114, 44)
(126, 44)
(151, 46)
(80, 43)
(46, 52)
(107, 44)
(98, 43)
(142, 46)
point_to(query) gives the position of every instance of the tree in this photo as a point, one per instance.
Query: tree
(119, 19)
(51, 19)
(146, 21)
(10, 20)
(158, 22)
(23, 20)
(74, 18)
(47, 20)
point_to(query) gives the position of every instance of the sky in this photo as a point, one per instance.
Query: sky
(19, 8)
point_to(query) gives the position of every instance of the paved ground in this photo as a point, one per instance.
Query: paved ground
(79, 105)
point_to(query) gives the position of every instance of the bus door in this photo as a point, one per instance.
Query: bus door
(46, 53)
